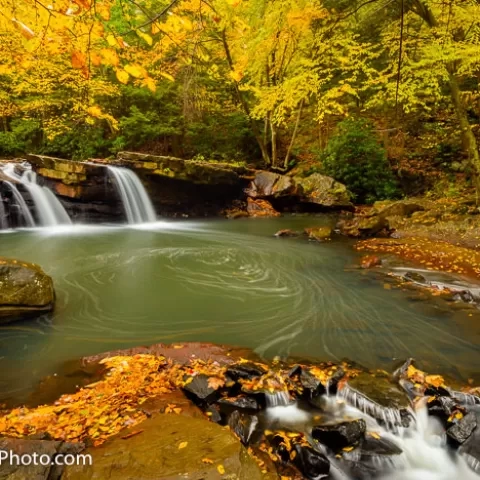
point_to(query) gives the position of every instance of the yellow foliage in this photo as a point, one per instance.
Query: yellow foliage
(122, 75)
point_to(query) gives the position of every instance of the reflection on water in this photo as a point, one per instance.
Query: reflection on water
(217, 281)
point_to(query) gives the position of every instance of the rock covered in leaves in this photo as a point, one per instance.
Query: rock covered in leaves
(260, 208)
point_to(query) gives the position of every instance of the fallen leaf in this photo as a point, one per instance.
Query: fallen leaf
(182, 445)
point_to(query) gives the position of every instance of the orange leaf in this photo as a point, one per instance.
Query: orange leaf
(79, 60)
(207, 460)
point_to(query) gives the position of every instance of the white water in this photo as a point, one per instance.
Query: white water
(425, 455)
(49, 210)
(137, 204)
(25, 211)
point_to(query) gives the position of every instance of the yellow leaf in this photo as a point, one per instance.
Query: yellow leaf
(182, 445)
(435, 380)
(374, 435)
(148, 39)
(221, 469)
(136, 71)
(110, 57)
(347, 449)
(155, 28)
(167, 76)
(112, 41)
(122, 75)
(96, 59)
(103, 10)
(95, 111)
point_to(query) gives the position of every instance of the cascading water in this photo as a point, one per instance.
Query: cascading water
(22, 205)
(136, 202)
(49, 211)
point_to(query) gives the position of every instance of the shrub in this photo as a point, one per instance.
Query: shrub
(355, 157)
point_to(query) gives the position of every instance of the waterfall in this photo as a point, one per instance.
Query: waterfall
(22, 205)
(137, 204)
(49, 210)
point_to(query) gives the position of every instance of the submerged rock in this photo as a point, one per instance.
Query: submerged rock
(320, 234)
(25, 290)
(287, 233)
(340, 435)
(170, 446)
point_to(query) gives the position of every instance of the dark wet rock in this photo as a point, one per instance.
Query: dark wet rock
(241, 402)
(470, 449)
(260, 208)
(466, 398)
(25, 290)
(214, 414)
(312, 385)
(312, 464)
(320, 234)
(43, 450)
(200, 391)
(245, 371)
(464, 296)
(414, 277)
(463, 429)
(155, 453)
(287, 233)
(377, 396)
(372, 446)
(340, 435)
(441, 407)
(322, 190)
(401, 371)
(243, 425)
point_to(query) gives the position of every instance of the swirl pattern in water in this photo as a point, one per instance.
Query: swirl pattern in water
(218, 281)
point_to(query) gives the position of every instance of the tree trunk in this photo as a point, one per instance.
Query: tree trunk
(294, 136)
(468, 138)
(273, 129)
(241, 97)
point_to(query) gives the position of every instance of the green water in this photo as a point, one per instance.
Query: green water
(220, 281)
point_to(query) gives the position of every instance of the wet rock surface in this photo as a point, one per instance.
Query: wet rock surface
(170, 447)
(25, 290)
(44, 450)
(260, 208)
(340, 435)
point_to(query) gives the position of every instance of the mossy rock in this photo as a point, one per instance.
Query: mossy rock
(169, 447)
(25, 290)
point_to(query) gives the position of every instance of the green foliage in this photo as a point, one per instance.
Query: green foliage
(354, 157)
(21, 137)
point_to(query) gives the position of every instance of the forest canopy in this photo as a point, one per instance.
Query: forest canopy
(238, 79)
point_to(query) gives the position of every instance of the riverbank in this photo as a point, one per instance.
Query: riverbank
(288, 419)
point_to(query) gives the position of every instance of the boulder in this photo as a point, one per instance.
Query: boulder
(402, 208)
(269, 184)
(362, 226)
(245, 371)
(241, 402)
(340, 435)
(243, 425)
(260, 208)
(322, 190)
(169, 447)
(25, 290)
